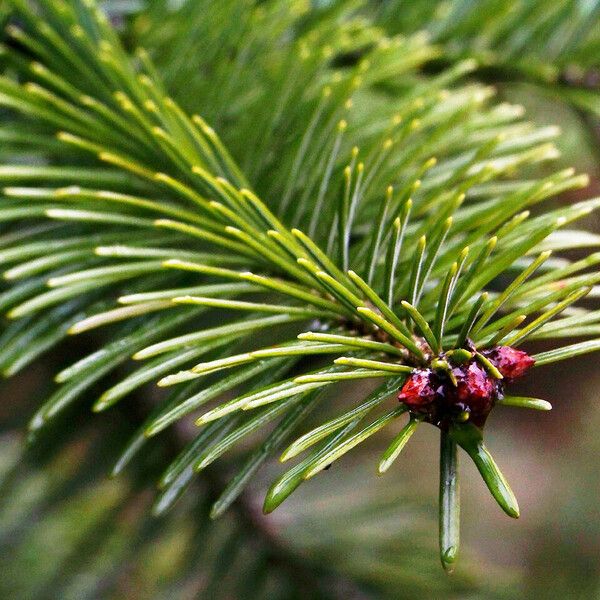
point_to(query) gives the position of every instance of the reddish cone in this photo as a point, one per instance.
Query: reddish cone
(418, 390)
(475, 392)
(512, 363)
(473, 384)
(468, 393)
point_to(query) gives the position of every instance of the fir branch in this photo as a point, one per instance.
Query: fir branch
(416, 223)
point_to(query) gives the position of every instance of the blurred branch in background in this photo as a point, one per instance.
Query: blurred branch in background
(67, 531)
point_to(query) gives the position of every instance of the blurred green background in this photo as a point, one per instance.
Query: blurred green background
(67, 531)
